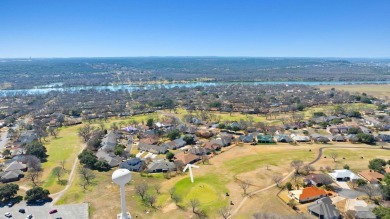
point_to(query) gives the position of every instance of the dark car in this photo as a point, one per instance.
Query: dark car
(53, 211)
(22, 210)
(10, 204)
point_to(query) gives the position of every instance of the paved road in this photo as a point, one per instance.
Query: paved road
(349, 193)
(79, 211)
(3, 139)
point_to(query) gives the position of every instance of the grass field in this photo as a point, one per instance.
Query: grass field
(209, 190)
(65, 147)
(376, 90)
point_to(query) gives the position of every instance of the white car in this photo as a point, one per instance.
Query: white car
(8, 214)
(29, 216)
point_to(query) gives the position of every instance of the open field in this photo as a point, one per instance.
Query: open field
(376, 90)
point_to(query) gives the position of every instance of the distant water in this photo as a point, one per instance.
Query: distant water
(57, 87)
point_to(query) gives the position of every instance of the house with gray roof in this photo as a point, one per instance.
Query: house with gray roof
(283, 138)
(247, 138)
(112, 159)
(109, 141)
(175, 144)
(27, 137)
(324, 209)
(15, 165)
(161, 165)
(156, 149)
(11, 176)
(134, 164)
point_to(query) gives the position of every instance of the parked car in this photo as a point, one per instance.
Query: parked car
(22, 210)
(8, 214)
(10, 204)
(53, 211)
(29, 216)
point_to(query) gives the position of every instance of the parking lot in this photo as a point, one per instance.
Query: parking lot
(77, 211)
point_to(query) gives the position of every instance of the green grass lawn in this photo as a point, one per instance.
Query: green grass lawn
(252, 162)
(209, 190)
(65, 147)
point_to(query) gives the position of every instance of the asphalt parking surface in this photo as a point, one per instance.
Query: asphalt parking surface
(72, 211)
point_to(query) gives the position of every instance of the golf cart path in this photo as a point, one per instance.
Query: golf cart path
(57, 196)
(320, 152)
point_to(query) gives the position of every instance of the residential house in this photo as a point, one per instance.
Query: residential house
(364, 212)
(27, 137)
(282, 138)
(247, 138)
(383, 137)
(13, 172)
(339, 138)
(157, 166)
(186, 158)
(300, 138)
(320, 138)
(212, 146)
(223, 141)
(152, 148)
(324, 209)
(371, 176)
(109, 141)
(314, 179)
(112, 159)
(265, 139)
(310, 194)
(149, 140)
(371, 121)
(175, 144)
(344, 175)
(133, 164)
(199, 151)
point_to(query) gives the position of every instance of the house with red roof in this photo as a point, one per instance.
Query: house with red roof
(308, 194)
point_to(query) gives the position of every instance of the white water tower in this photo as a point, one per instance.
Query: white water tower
(121, 177)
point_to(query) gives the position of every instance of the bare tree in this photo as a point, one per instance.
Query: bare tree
(151, 199)
(58, 171)
(157, 188)
(87, 176)
(34, 175)
(62, 164)
(53, 131)
(370, 190)
(324, 179)
(85, 132)
(33, 162)
(277, 179)
(334, 155)
(308, 169)
(244, 185)
(225, 212)
(141, 190)
(204, 158)
(297, 165)
(194, 204)
(172, 192)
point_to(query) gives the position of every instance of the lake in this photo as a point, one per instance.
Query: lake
(48, 88)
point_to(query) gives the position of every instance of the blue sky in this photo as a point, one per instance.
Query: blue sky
(274, 28)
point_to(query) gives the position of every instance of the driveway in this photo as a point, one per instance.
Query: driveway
(348, 193)
(342, 184)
